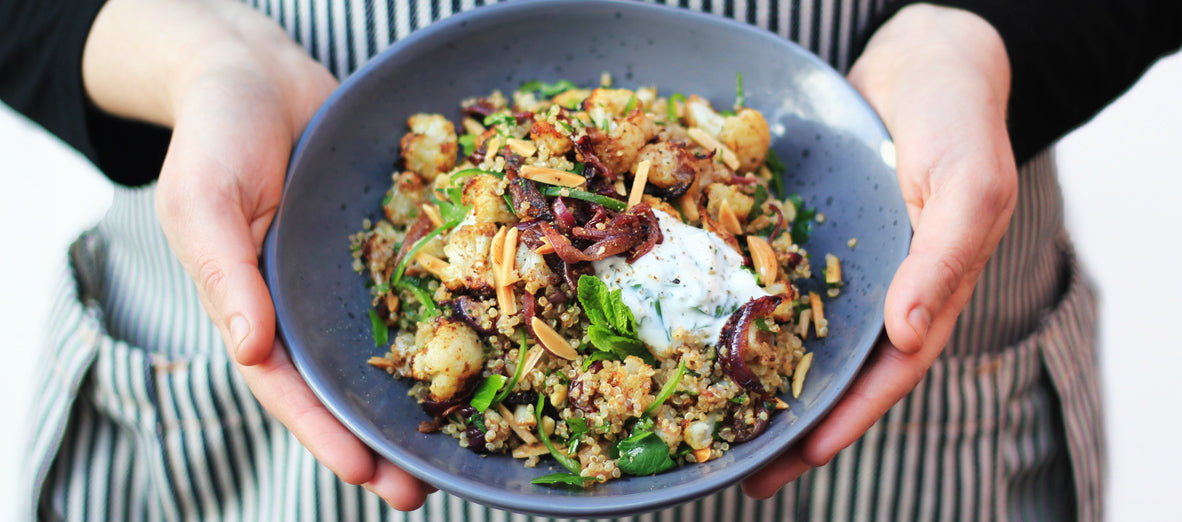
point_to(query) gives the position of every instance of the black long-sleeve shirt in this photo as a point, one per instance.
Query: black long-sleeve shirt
(1069, 59)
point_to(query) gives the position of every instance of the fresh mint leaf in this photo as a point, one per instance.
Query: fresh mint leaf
(593, 296)
(483, 398)
(644, 453)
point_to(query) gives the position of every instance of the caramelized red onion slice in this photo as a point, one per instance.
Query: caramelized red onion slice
(734, 339)
(635, 231)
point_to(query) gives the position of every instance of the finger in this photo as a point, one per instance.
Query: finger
(767, 481)
(956, 229)
(281, 390)
(215, 229)
(398, 488)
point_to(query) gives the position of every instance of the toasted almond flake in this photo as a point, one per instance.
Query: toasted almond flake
(561, 178)
(531, 359)
(507, 276)
(546, 247)
(818, 308)
(728, 219)
(708, 141)
(832, 269)
(511, 420)
(506, 300)
(803, 321)
(497, 249)
(432, 264)
(802, 369)
(432, 213)
(764, 259)
(701, 455)
(382, 362)
(472, 126)
(491, 148)
(526, 451)
(689, 206)
(521, 147)
(552, 340)
(638, 182)
(780, 404)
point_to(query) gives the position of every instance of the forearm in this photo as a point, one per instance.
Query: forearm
(1070, 58)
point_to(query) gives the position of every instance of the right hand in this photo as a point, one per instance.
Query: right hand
(237, 93)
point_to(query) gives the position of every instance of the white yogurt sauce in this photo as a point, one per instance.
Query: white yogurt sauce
(692, 280)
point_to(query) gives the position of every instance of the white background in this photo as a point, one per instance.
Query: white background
(1121, 176)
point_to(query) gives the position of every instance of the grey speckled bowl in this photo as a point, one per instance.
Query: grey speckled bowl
(833, 144)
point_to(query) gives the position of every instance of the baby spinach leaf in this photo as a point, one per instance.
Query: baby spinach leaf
(381, 333)
(561, 479)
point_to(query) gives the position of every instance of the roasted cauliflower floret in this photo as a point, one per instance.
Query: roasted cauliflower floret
(674, 166)
(429, 149)
(619, 148)
(612, 102)
(401, 205)
(698, 113)
(468, 262)
(740, 203)
(534, 270)
(550, 141)
(482, 195)
(450, 356)
(748, 136)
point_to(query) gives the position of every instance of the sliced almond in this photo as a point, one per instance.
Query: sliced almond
(531, 359)
(638, 183)
(701, 455)
(432, 213)
(832, 270)
(820, 324)
(728, 219)
(802, 369)
(551, 176)
(551, 339)
(511, 420)
(432, 264)
(546, 247)
(802, 323)
(526, 451)
(689, 206)
(472, 126)
(780, 404)
(491, 148)
(507, 276)
(506, 300)
(522, 148)
(764, 259)
(497, 249)
(728, 156)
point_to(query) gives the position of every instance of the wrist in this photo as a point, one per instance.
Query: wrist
(922, 42)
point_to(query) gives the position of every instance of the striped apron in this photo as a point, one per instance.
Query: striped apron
(142, 417)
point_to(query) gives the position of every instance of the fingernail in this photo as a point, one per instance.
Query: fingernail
(920, 319)
(239, 329)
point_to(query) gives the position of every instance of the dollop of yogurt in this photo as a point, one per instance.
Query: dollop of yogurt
(692, 281)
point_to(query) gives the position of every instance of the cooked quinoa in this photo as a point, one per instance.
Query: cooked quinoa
(601, 277)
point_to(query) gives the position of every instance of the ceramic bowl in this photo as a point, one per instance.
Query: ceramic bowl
(839, 159)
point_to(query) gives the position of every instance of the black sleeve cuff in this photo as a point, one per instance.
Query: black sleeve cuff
(41, 47)
(1071, 58)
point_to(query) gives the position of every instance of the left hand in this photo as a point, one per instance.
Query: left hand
(939, 78)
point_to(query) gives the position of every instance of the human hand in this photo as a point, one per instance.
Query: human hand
(939, 78)
(237, 93)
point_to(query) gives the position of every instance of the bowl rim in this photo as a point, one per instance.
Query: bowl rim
(486, 494)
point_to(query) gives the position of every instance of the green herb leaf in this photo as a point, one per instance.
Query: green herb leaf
(740, 96)
(418, 288)
(672, 105)
(483, 398)
(777, 169)
(613, 326)
(562, 458)
(608, 202)
(668, 389)
(561, 479)
(468, 143)
(381, 333)
(631, 105)
(644, 453)
(802, 226)
(547, 90)
(760, 197)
